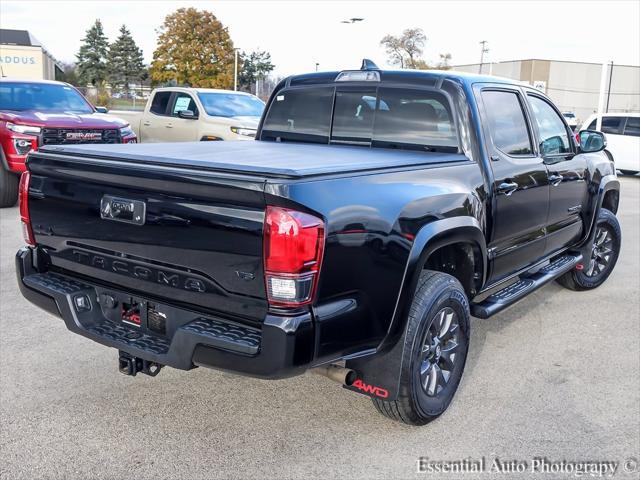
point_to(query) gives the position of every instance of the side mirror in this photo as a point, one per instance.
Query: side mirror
(187, 114)
(592, 141)
(102, 110)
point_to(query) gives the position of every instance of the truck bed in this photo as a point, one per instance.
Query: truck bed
(266, 159)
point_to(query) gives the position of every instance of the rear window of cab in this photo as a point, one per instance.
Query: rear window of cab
(386, 117)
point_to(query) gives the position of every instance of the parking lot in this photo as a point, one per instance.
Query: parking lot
(556, 376)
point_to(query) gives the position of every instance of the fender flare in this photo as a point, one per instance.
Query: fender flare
(382, 369)
(607, 183)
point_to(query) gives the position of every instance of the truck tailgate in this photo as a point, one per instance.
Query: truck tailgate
(191, 237)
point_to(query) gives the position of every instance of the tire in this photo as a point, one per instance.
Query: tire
(8, 188)
(439, 301)
(606, 249)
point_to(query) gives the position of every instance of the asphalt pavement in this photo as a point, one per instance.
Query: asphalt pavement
(557, 376)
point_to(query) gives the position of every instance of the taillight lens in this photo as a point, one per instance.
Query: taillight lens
(293, 247)
(25, 217)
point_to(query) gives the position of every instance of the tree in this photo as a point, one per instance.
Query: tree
(255, 66)
(195, 49)
(445, 62)
(68, 73)
(125, 62)
(92, 66)
(406, 49)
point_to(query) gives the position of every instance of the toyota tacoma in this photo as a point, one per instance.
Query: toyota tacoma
(375, 212)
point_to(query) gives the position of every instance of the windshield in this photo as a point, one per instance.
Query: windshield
(231, 104)
(42, 97)
(410, 119)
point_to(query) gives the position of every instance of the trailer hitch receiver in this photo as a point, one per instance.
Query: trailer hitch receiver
(130, 365)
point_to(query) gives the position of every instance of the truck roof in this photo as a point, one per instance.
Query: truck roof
(403, 76)
(200, 90)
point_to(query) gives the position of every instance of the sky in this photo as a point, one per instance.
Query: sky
(299, 34)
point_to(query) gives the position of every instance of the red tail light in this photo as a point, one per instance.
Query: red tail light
(25, 217)
(293, 247)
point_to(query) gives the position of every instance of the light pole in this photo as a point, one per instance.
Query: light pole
(317, 65)
(235, 69)
(482, 52)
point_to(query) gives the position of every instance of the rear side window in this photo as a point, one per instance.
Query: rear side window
(160, 102)
(554, 139)
(303, 114)
(507, 124)
(632, 127)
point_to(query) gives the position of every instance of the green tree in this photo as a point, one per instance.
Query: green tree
(68, 73)
(92, 66)
(406, 49)
(125, 62)
(255, 66)
(194, 48)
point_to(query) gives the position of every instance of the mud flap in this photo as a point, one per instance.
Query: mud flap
(378, 376)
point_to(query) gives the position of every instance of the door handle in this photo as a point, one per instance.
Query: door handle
(555, 180)
(507, 187)
(169, 125)
(146, 124)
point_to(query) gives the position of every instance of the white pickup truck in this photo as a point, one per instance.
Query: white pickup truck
(178, 114)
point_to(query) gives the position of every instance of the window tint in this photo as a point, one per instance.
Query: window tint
(632, 127)
(353, 116)
(611, 124)
(554, 139)
(413, 119)
(507, 123)
(183, 101)
(303, 114)
(592, 125)
(160, 102)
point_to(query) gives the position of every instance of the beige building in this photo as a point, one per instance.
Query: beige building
(22, 56)
(573, 86)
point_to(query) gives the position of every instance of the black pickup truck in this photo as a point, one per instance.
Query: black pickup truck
(373, 215)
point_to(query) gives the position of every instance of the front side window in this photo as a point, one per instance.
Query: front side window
(183, 101)
(160, 102)
(632, 127)
(554, 139)
(42, 97)
(507, 123)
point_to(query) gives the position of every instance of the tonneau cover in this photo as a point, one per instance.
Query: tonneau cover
(269, 159)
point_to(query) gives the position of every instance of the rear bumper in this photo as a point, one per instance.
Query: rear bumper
(282, 347)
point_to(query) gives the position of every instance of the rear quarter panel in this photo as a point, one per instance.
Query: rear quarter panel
(371, 222)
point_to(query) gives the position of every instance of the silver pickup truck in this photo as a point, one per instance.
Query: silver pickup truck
(178, 114)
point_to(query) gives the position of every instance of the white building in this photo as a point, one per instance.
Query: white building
(22, 56)
(573, 86)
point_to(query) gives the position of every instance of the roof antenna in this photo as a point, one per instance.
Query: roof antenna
(368, 65)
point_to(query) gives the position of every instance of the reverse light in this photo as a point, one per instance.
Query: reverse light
(25, 216)
(23, 128)
(247, 132)
(293, 248)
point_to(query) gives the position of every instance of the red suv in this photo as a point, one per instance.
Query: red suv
(37, 112)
